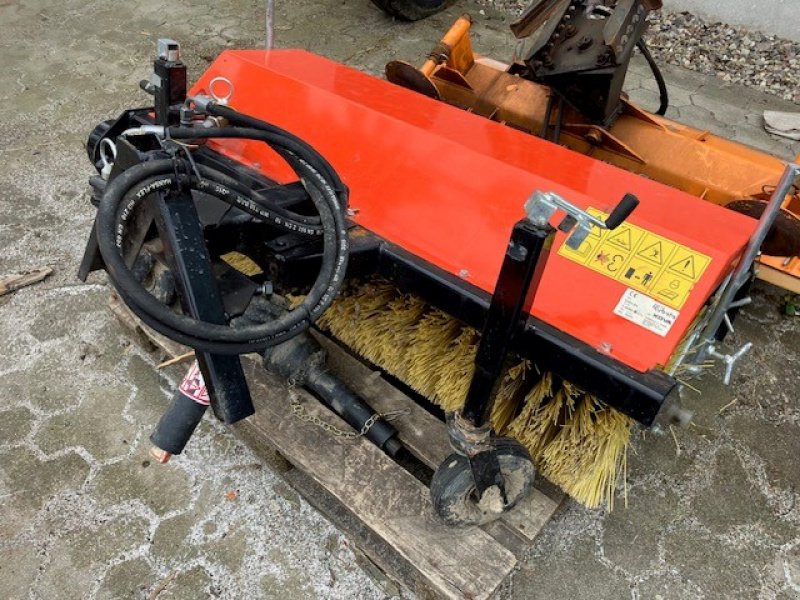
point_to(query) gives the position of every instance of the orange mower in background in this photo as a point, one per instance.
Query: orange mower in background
(565, 85)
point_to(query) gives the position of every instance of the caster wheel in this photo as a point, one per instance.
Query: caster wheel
(453, 489)
(412, 10)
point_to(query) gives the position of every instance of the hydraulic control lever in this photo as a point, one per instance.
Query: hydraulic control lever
(543, 205)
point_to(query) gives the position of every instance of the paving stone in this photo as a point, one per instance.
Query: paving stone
(792, 561)
(151, 396)
(96, 425)
(32, 482)
(189, 585)
(170, 540)
(162, 488)
(718, 570)
(293, 586)
(15, 424)
(230, 549)
(647, 99)
(574, 573)
(19, 565)
(701, 118)
(129, 580)
(51, 324)
(779, 458)
(54, 394)
(668, 587)
(86, 551)
(755, 138)
(631, 542)
(730, 505)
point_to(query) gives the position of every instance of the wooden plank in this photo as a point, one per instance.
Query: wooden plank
(382, 555)
(11, 283)
(130, 320)
(389, 501)
(426, 436)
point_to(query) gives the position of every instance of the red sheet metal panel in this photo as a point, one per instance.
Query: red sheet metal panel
(448, 186)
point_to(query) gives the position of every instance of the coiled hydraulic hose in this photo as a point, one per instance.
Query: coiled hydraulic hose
(320, 180)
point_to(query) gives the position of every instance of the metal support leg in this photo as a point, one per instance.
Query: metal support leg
(184, 247)
(519, 279)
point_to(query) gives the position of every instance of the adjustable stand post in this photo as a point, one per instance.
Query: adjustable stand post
(524, 263)
(222, 376)
(470, 431)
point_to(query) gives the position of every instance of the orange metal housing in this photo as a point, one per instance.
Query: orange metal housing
(689, 159)
(448, 186)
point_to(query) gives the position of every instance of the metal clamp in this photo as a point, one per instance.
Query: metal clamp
(741, 274)
(729, 360)
(541, 206)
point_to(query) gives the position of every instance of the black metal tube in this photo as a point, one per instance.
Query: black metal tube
(344, 402)
(663, 92)
(517, 284)
(301, 360)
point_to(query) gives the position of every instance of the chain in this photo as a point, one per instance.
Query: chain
(301, 413)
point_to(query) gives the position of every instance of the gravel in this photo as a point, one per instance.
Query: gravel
(733, 54)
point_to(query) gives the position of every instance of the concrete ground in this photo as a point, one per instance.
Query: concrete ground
(712, 512)
(779, 17)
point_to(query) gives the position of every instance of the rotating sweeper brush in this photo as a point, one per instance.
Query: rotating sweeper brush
(545, 300)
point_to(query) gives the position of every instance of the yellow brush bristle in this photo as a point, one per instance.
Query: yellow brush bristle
(576, 441)
(509, 395)
(451, 387)
(426, 360)
(242, 263)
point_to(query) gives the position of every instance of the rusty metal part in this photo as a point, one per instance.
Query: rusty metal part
(454, 49)
(784, 237)
(537, 14)
(407, 75)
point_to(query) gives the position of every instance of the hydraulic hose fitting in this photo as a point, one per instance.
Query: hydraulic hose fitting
(180, 420)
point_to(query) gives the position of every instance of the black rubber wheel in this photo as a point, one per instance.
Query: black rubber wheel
(412, 10)
(453, 490)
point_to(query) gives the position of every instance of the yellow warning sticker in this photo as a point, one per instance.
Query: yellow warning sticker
(642, 260)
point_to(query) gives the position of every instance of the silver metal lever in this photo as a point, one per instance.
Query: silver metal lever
(729, 360)
(541, 206)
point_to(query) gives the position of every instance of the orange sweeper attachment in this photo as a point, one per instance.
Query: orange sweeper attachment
(545, 300)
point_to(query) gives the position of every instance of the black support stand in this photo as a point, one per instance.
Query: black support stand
(517, 284)
(185, 251)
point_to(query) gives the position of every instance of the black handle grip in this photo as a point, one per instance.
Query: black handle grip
(622, 211)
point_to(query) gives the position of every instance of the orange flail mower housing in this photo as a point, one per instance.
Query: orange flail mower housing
(448, 186)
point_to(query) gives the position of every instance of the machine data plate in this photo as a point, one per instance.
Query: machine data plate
(650, 263)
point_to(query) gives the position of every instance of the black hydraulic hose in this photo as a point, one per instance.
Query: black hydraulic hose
(141, 180)
(659, 77)
(314, 158)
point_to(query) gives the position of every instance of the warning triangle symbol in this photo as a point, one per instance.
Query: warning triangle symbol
(654, 252)
(622, 239)
(685, 266)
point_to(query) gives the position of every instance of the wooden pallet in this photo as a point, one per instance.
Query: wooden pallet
(383, 508)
